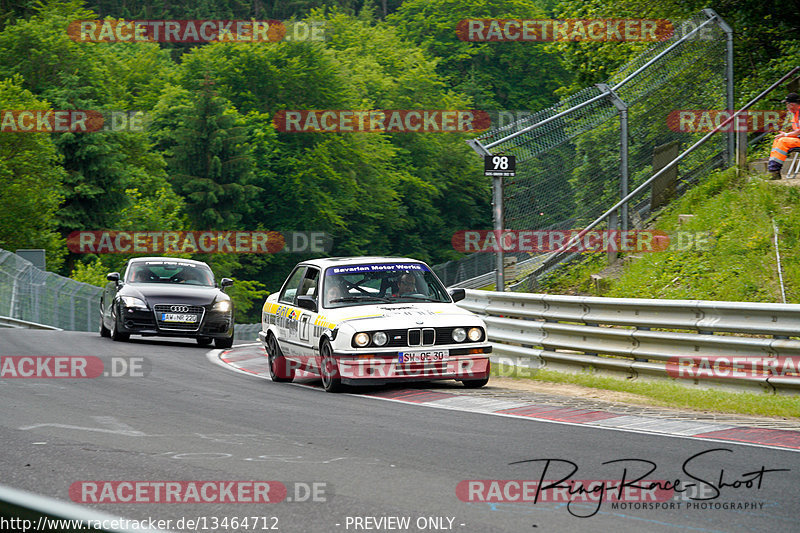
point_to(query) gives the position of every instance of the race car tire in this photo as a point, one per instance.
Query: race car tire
(104, 331)
(329, 370)
(226, 342)
(277, 362)
(475, 383)
(116, 334)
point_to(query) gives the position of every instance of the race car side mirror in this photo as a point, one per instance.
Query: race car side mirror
(307, 302)
(225, 282)
(457, 294)
(113, 276)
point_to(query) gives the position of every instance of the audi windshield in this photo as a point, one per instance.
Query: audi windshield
(176, 272)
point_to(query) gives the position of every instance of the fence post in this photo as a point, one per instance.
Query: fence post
(622, 107)
(497, 186)
(729, 94)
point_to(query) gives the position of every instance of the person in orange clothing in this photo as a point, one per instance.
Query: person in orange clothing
(785, 141)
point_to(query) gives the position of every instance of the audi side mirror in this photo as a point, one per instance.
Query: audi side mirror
(225, 282)
(113, 276)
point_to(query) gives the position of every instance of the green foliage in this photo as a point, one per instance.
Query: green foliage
(765, 34)
(211, 157)
(210, 165)
(99, 166)
(30, 181)
(735, 260)
(93, 272)
(237, 9)
(247, 295)
(520, 76)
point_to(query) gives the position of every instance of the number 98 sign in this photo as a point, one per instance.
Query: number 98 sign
(500, 165)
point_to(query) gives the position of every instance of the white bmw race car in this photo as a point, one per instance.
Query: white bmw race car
(372, 320)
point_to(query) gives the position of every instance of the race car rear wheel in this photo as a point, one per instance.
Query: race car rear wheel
(278, 370)
(329, 370)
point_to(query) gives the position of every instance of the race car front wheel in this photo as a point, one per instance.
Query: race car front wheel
(329, 370)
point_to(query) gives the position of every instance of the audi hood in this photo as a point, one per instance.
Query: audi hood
(155, 294)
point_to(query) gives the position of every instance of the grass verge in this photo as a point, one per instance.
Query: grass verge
(666, 394)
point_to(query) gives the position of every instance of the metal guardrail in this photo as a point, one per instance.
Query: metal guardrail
(635, 338)
(7, 321)
(25, 511)
(246, 332)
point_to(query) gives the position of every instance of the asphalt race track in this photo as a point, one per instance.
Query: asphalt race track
(353, 462)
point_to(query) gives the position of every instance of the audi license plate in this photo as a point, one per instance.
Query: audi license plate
(423, 356)
(178, 317)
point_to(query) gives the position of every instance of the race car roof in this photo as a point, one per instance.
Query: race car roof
(342, 261)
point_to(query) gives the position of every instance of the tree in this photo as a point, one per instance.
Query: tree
(495, 75)
(100, 166)
(30, 181)
(210, 163)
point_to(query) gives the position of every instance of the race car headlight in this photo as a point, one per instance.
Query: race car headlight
(459, 334)
(475, 334)
(379, 338)
(223, 306)
(130, 301)
(361, 339)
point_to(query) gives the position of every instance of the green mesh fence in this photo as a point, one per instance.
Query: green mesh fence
(27, 293)
(568, 169)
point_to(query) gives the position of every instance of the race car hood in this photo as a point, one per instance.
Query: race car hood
(154, 293)
(403, 315)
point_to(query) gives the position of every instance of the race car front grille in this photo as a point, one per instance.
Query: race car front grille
(421, 337)
(400, 338)
(162, 309)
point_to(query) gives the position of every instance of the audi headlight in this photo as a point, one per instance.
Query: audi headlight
(379, 338)
(459, 334)
(223, 306)
(475, 334)
(131, 301)
(361, 339)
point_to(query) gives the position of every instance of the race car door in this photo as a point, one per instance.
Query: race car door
(292, 320)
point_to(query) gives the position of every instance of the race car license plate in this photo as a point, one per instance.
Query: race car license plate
(423, 356)
(178, 317)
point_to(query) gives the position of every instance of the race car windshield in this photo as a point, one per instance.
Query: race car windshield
(170, 272)
(368, 284)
